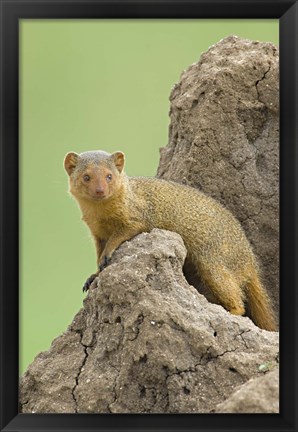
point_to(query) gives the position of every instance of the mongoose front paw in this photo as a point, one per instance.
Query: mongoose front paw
(89, 282)
(104, 263)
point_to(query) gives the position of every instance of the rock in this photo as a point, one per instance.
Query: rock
(224, 140)
(258, 395)
(146, 342)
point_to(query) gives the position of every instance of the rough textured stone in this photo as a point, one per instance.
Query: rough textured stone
(146, 342)
(224, 140)
(258, 395)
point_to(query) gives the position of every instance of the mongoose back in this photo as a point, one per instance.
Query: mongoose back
(117, 207)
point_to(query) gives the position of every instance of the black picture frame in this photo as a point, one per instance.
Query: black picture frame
(14, 10)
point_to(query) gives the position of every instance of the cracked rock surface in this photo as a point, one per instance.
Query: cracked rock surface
(147, 342)
(224, 140)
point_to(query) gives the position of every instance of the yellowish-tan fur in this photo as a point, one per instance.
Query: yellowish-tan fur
(216, 244)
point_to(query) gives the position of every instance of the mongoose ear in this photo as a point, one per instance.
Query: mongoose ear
(70, 162)
(119, 159)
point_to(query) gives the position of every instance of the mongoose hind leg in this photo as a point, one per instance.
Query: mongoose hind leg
(226, 289)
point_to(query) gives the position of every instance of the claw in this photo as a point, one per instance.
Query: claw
(89, 282)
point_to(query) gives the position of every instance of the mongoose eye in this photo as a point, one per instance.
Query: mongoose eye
(109, 177)
(86, 177)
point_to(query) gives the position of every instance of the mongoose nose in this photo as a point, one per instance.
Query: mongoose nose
(99, 191)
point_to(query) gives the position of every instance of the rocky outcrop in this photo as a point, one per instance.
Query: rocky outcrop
(224, 140)
(147, 342)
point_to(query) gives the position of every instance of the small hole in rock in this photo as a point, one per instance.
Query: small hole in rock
(215, 334)
(232, 369)
(143, 359)
(118, 319)
(186, 390)
(194, 103)
(142, 391)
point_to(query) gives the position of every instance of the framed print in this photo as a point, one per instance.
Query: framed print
(168, 130)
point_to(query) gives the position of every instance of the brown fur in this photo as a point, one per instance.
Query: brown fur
(118, 208)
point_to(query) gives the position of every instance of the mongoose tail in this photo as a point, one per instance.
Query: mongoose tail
(259, 304)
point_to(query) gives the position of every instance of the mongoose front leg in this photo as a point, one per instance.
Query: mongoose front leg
(113, 243)
(99, 245)
(107, 251)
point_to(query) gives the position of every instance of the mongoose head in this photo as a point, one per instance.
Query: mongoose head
(94, 175)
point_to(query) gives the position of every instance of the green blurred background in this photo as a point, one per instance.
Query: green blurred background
(84, 85)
